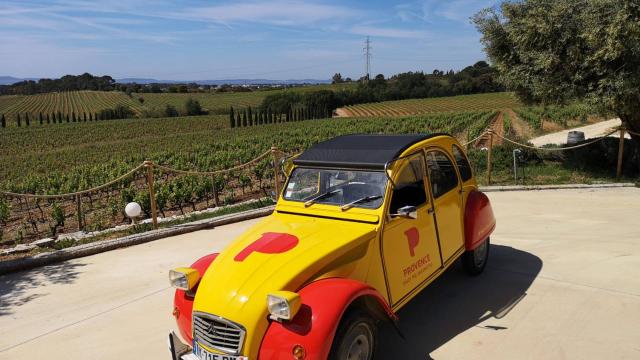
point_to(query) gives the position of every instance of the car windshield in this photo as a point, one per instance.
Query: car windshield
(347, 188)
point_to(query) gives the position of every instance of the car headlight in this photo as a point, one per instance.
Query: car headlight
(283, 305)
(184, 278)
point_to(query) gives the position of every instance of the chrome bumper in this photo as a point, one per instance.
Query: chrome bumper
(178, 349)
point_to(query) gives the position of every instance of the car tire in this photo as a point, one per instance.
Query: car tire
(475, 260)
(356, 338)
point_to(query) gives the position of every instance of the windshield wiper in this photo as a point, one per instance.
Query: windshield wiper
(318, 197)
(359, 201)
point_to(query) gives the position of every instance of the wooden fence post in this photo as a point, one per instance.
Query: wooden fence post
(215, 191)
(489, 155)
(274, 152)
(152, 195)
(79, 210)
(620, 153)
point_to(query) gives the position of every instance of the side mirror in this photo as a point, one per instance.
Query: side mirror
(409, 212)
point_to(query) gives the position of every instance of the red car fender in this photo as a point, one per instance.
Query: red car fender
(479, 221)
(314, 326)
(183, 300)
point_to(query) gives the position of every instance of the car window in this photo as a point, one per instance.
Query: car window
(341, 186)
(409, 184)
(442, 174)
(463, 165)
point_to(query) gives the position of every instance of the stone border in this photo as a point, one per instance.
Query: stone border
(134, 239)
(555, 187)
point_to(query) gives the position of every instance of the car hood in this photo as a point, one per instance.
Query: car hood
(283, 252)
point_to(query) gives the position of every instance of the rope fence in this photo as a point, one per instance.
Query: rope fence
(30, 214)
(489, 131)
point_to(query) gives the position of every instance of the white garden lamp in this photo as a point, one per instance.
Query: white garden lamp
(133, 210)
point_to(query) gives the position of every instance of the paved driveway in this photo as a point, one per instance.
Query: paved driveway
(563, 282)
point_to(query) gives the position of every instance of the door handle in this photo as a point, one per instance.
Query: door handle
(461, 191)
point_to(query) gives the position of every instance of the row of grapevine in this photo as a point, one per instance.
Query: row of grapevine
(560, 115)
(478, 102)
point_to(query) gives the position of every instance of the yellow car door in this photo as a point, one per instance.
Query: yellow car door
(447, 194)
(410, 250)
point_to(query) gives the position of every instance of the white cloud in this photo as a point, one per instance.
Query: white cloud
(270, 12)
(388, 32)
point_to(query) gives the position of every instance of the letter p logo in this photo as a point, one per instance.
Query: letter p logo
(413, 238)
(269, 243)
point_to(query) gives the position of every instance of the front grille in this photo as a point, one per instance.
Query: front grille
(218, 333)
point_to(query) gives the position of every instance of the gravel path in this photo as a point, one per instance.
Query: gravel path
(590, 131)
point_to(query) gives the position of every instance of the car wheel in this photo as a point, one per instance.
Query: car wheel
(355, 339)
(475, 260)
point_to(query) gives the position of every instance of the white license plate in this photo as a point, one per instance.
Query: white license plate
(203, 354)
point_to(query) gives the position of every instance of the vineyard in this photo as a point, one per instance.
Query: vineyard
(66, 103)
(70, 158)
(479, 102)
(87, 104)
(559, 116)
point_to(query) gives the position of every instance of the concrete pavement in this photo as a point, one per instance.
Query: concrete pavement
(563, 282)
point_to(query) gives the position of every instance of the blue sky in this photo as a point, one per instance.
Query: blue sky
(274, 39)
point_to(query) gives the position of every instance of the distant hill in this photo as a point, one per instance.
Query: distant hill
(221, 82)
(8, 80)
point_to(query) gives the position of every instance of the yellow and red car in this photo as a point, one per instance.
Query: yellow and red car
(363, 224)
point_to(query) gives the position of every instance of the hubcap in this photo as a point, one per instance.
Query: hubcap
(360, 347)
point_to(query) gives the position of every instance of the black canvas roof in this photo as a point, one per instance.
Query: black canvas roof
(359, 151)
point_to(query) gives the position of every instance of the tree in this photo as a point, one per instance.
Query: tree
(3, 121)
(26, 119)
(554, 52)
(193, 107)
(337, 78)
(18, 120)
(170, 111)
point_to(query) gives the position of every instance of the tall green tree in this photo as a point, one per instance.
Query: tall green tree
(3, 121)
(554, 52)
(192, 107)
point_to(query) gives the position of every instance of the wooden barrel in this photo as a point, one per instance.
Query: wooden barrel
(575, 137)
